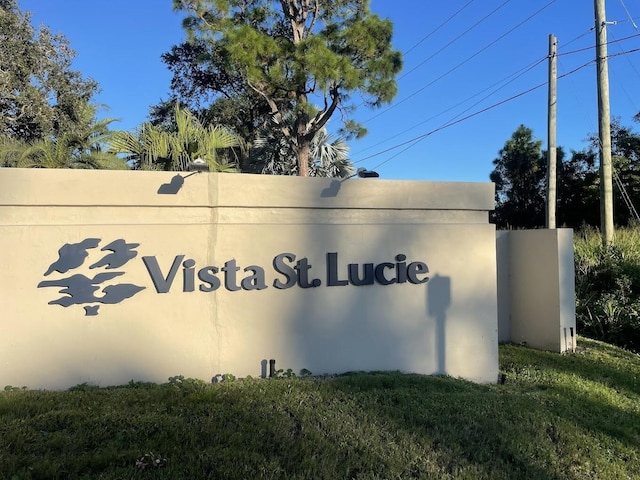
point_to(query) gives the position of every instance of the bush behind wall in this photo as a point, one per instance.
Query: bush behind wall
(608, 287)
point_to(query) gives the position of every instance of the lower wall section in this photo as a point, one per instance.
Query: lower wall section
(536, 288)
(124, 299)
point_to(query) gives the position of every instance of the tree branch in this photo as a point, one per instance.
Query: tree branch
(315, 10)
(323, 116)
(276, 116)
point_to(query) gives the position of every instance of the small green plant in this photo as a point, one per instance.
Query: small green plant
(83, 387)
(11, 388)
(150, 461)
(141, 385)
(228, 377)
(186, 385)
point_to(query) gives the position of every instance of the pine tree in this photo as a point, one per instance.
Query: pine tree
(296, 54)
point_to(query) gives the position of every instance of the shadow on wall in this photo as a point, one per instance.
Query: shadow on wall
(369, 333)
(174, 185)
(361, 329)
(438, 302)
(333, 189)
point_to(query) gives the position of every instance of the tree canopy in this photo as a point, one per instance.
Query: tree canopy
(519, 178)
(520, 172)
(300, 57)
(41, 96)
(216, 95)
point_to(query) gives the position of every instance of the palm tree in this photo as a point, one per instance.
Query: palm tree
(144, 148)
(329, 156)
(48, 153)
(61, 152)
(78, 149)
(88, 143)
(152, 147)
(273, 154)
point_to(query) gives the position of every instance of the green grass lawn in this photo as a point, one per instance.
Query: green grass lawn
(572, 416)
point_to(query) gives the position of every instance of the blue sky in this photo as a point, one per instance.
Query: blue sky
(460, 57)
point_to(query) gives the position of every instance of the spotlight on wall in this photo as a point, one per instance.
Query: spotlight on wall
(198, 165)
(364, 173)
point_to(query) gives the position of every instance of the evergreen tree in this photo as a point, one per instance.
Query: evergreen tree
(578, 191)
(291, 54)
(519, 178)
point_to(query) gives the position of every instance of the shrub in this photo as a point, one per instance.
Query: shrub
(608, 287)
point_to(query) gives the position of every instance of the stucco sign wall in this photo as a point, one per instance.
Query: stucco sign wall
(113, 276)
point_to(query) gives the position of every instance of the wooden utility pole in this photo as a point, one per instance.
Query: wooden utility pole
(551, 133)
(604, 126)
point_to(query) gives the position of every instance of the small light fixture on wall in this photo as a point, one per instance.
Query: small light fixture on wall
(198, 165)
(364, 173)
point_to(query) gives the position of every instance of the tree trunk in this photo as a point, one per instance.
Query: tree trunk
(302, 136)
(302, 152)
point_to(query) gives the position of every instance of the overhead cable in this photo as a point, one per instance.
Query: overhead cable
(440, 26)
(629, 15)
(419, 138)
(455, 39)
(462, 63)
(500, 85)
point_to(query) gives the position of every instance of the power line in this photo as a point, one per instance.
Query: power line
(452, 122)
(610, 42)
(588, 32)
(500, 85)
(429, 35)
(531, 67)
(440, 26)
(623, 53)
(621, 83)
(419, 138)
(629, 15)
(461, 63)
(413, 141)
(454, 40)
(449, 124)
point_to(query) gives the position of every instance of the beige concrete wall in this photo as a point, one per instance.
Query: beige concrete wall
(536, 288)
(446, 325)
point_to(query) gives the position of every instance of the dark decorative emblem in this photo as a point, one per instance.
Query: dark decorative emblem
(79, 289)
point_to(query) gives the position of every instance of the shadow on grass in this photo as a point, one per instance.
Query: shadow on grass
(472, 431)
(555, 418)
